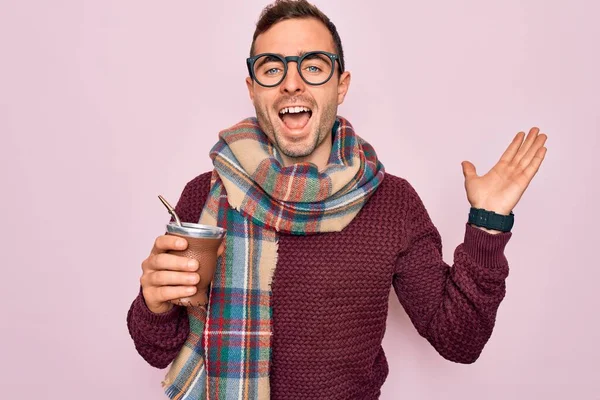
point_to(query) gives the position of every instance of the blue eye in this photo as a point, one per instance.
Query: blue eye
(312, 68)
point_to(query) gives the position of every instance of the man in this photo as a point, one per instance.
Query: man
(316, 234)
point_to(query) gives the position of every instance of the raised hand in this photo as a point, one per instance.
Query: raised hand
(502, 187)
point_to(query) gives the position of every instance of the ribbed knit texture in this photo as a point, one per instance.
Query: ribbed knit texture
(330, 296)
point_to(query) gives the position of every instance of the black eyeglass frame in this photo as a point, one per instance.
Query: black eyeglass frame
(298, 60)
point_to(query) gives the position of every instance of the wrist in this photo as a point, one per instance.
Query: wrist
(500, 210)
(156, 308)
(492, 231)
(490, 221)
(160, 309)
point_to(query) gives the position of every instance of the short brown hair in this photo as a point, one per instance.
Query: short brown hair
(281, 10)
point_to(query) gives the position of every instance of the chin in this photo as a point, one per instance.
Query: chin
(297, 153)
(300, 149)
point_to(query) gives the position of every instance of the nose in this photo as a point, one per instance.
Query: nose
(293, 83)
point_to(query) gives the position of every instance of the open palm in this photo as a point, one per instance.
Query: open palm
(502, 187)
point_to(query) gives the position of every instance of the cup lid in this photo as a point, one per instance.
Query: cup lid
(196, 230)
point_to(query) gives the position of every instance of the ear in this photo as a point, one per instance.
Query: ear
(343, 86)
(250, 85)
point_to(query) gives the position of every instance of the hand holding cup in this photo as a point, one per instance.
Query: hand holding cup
(177, 266)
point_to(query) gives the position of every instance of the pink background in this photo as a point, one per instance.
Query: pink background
(106, 104)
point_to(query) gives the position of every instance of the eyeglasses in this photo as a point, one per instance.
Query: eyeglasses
(315, 67)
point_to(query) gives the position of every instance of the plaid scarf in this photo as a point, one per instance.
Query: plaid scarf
(227, 353)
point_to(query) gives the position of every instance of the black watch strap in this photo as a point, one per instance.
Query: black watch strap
(491, 220)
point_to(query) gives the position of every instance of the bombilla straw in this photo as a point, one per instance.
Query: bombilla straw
(171, 210)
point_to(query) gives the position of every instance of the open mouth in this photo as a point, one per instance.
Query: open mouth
(295, 117)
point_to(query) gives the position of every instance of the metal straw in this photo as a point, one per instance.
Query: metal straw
(171, 210)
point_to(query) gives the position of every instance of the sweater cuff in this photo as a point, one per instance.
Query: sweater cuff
(143, 312)
(485, 248)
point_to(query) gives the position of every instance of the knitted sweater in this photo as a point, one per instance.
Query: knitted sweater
(330, 296)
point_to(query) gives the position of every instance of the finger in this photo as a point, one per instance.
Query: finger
(168, 242)
(539, 143)
(469, 169)
(221, 249)
(165, 293)
(512, 149)
(533, 132)
(171, 262)
(534, 165)
(172, 278)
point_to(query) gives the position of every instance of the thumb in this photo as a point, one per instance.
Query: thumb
(468, 169)
(221, 249)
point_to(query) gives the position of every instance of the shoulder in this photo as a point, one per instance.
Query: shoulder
(395, 181)
(199, 184)
(395, 194)
(391, 196)
(401, 196)
(395, 187)
(193, 197)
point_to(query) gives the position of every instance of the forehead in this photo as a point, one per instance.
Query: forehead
(292, 36)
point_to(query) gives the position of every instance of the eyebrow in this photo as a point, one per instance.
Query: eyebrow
(300, 53)
(265, 60)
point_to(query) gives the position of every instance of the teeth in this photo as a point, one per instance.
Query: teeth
(294, 110)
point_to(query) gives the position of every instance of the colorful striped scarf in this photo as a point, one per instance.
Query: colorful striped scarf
(254, 197)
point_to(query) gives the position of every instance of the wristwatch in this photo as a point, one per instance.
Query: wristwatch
(491, 220)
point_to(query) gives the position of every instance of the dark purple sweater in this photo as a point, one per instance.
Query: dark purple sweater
(330, 296)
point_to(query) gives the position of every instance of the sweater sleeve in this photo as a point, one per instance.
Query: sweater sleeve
(454, 308)
(158, 338)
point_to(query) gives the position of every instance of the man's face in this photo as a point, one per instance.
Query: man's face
(304, 136)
